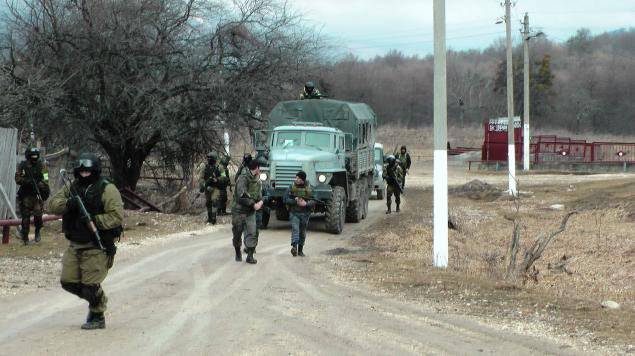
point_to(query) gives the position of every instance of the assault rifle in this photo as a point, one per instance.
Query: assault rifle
(393, 182)
(34, 183)
(307, 199)
(82, 210)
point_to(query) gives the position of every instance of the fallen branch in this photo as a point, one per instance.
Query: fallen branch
(562, 264)
(172, 198)
(536, 250)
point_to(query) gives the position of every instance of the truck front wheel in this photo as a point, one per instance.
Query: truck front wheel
(282, 214)
(336, 211)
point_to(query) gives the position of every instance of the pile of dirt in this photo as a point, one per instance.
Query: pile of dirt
(477, 190)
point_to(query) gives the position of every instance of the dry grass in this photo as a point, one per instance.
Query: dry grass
(598, 242)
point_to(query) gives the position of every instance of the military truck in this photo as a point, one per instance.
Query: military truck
(332, 141)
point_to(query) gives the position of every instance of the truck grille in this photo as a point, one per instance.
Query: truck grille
(285, 174)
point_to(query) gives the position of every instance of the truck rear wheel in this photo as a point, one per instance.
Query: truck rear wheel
(354, 212)
(282, 214)
(336, 211)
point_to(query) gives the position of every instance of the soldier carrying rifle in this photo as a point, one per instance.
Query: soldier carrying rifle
(32, 176)
(92, 216)
(393, 175)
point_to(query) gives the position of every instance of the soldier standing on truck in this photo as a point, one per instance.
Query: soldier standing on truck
(310, 92)
(404, 162)
(393, 175)
(32, 176)
(299, 201)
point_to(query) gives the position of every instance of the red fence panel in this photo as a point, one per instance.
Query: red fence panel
(551, 148)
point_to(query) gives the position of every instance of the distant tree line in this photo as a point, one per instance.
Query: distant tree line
(584, 84)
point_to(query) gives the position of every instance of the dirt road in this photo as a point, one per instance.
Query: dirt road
(186, 295)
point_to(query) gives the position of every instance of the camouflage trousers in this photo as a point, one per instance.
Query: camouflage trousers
(30, 205)
(83, 271)
(211, 203)
(244, 223)
(222, 201)
(390, 190)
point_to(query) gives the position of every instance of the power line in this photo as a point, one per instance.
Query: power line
(410, 34)
(424, 42)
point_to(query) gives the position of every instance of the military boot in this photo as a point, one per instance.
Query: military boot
(294, 250)
(388, 210)
(90, 316)
(239, 256)
(97, 321)
(37, 234)
(250, 256)
(397, 208)
(25, 234)
(211, 217)
(300, 253)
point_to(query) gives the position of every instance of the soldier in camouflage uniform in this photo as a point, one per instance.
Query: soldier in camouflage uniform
(393, 175)
(32, 176)
(246, 201)
(404, 162)
(210, 179)
(85, 265)
(299, 201)
(223, 184)
(310, 92)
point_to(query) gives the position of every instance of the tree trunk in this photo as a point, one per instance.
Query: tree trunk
(126, 160)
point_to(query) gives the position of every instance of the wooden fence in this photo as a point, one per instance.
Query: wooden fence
(8, 162)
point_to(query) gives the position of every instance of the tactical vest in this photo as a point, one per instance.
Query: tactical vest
(253, 189)
(77, 231)
(210, 171)
(303, 192)
(34, 171)
(223, 178)
(393, 172)
(402, 160)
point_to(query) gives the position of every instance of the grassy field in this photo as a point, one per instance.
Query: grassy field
(598, 245)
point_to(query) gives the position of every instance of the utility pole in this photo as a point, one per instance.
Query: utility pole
(440, 179)
(526, 136)
(511, 148)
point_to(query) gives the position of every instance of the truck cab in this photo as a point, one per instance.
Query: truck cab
(316, 150)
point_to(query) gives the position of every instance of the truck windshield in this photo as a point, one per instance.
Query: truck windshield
(288, 139)
(318, 140)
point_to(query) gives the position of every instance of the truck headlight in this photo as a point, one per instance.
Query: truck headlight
(263, 176)
(321, 178)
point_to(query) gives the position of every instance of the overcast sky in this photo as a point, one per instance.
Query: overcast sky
(372, 27)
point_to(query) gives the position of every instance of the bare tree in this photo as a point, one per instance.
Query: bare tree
(143, 76)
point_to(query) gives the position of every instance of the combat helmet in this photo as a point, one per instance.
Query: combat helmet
(32, 151)
(88, 161)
